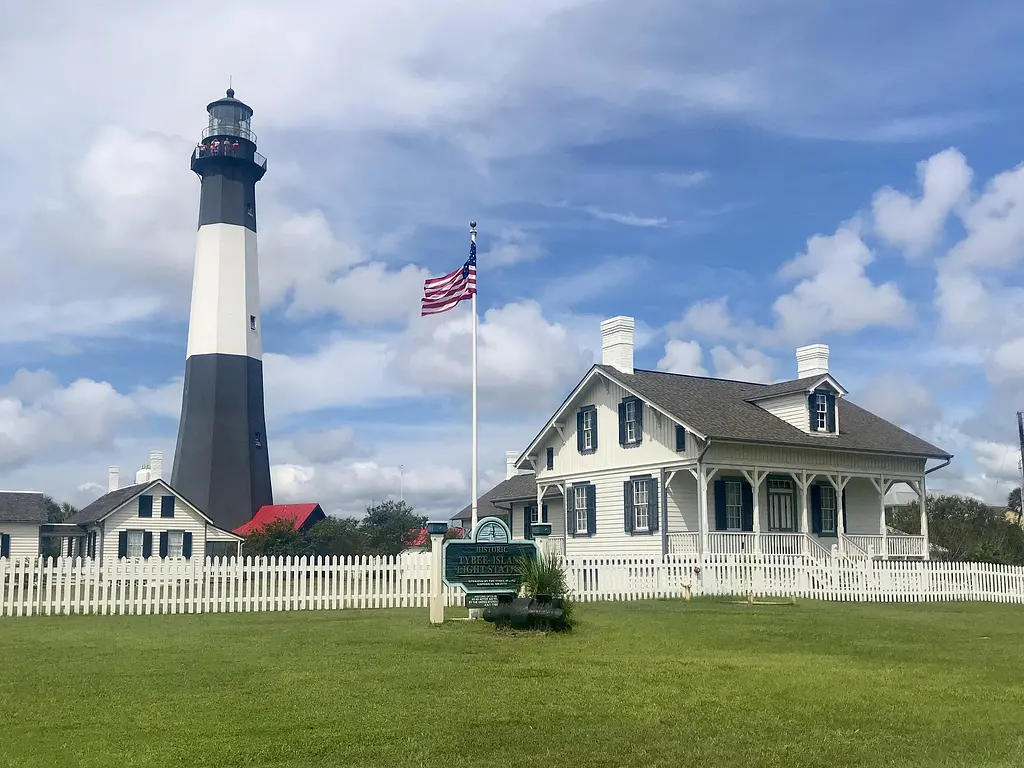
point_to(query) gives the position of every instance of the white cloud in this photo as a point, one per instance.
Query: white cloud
(682, 357)
(901, 399)
(745, 364)
(916, 225)
(512, 247)
(685, 180)
(627, 219)
(835, 295)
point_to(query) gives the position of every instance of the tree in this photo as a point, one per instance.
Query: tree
(336, 536)
(967, 527)
(58, 512)
(276, 539)
(1013, 500)
(389, 526)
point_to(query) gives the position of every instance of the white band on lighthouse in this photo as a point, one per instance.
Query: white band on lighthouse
(225, 317)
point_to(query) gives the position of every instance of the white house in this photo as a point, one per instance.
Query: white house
(149, 520)
(647, 462)
(22, 513)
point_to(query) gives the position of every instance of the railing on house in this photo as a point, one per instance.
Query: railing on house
(905, 546)
(731, 543)
(683, 543)
(556, 544)
(850, 547)
(783, 543)
(817, 550)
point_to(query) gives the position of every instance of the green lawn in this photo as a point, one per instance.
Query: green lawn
(637, 684)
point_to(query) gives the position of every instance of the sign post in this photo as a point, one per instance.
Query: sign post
(437, 531)
(485, 565)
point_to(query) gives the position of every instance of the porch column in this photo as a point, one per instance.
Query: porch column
(883, 486)
(922, 493)
(805, 527)
(704, 524)
(755, 481)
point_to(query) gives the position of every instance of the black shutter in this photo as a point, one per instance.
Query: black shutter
(163, 543)
(639, 420)
(147, 544)
(845, 529)
(593, 430)
(122, 544)
(186, 544)
(680, 438)
(579, 430)
(830, 403)
(5, 545)
(622, 423)
(748, 507)
(815, 509)
(145, 506)
(570, 512)
(627, 506)
(812, 412)
(652, 500)
(166, 506)
(527, 528)
(551, 458)
(721, 520)
(591, 509)
(543, 513)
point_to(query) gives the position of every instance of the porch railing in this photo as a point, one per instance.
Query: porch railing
(683, 543)
(851, 548)
(872, 545)
(731, 543)
(556, 544)
(905, 546)
(783, 544)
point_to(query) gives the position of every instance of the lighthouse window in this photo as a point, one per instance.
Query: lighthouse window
(252, 322)
(249, 210)
(259, 442)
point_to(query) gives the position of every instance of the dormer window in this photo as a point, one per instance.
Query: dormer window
(822, 411)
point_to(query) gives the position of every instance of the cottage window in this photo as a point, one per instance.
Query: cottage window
(533, 515)
(579, 503)
(631, 425)
(588, 430)
(780, 505)
(733, 505)
(135, 543)
(641, 508)
(829, 509)
(821, 411)
(175, 543)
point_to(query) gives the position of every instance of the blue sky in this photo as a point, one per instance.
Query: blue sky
(664, 160)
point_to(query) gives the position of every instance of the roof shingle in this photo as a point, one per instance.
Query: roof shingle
(22, 507)
(516, 488)
(719, 408)
(105, 504)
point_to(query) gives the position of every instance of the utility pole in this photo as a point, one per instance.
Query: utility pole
(1020, 438)
(401, 480)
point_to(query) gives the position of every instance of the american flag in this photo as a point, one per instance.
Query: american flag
(442, 293)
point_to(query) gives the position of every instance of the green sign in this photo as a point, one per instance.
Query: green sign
(487, 561)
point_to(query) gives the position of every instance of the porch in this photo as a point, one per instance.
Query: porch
(782, 511)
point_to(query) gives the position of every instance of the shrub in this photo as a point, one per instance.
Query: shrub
(544, 575)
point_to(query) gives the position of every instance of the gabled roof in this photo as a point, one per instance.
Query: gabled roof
(806, 384)
(22, 507)
(110, 502)
(721, 408)
(299, 514)
(516, 488)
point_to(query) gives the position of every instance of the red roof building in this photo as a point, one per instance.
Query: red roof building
(303, 516)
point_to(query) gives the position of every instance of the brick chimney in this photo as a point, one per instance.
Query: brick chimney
(617, 343)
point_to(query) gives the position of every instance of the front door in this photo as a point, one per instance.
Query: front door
(780, 506)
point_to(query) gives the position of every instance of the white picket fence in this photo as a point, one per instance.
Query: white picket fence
(65, 586)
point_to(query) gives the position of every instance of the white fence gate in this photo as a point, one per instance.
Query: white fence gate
(65, 586)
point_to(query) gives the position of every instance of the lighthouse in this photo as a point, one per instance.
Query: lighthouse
(221, 462)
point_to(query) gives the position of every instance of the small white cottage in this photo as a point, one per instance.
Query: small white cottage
(22, 513)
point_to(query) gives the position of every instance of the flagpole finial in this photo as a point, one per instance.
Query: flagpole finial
(472, 226)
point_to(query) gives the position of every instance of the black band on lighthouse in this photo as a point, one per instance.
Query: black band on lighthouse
(228, 194)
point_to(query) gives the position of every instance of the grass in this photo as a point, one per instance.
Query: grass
(635, 684)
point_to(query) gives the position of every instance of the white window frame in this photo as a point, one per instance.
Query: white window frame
(641, 505)
(779, 486)
(172, 547)
(733, 505)
(131, 545)
(821, 411)
(534, 515)
(830, 507)
(588, 430)
(631, 435)
(579, 507)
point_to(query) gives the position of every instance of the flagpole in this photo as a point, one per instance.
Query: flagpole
(472, 236)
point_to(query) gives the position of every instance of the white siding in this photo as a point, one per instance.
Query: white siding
(610, 539)
(790, 408)
(768, 456)
(862, 507)
(683, 516)
(657, 447)
(24, 539)
(556, 516)
(127, 518)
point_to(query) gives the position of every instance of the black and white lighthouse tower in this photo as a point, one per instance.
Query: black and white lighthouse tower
(221, 462)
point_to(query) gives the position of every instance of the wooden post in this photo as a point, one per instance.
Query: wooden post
(437, 531)
(804, 524)
(924, 516)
